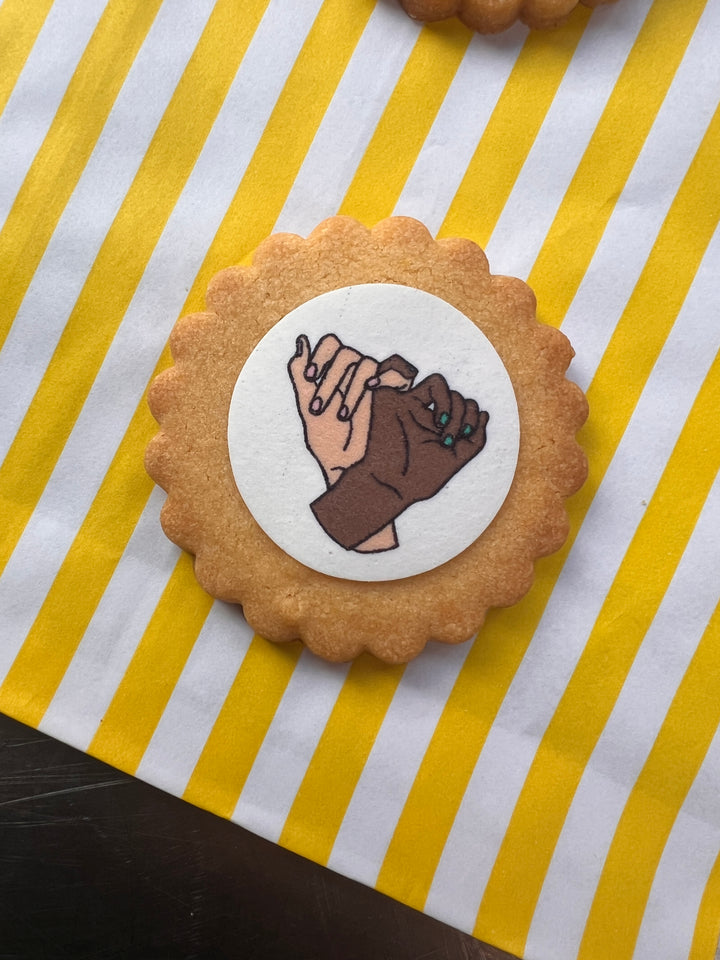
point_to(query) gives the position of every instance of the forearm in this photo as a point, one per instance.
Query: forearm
(357, 507)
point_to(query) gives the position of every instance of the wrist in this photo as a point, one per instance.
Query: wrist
(385, 539)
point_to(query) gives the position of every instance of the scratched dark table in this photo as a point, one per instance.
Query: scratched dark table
(95, 865)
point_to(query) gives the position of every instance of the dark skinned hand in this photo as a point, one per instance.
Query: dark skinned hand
(418, 440)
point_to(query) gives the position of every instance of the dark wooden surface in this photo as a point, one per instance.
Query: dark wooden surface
(95, 865)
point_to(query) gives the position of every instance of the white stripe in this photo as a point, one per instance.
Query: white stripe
(457, 129)
(123, 377)
(642, 207)
(89, 213)
(350, 120)
(289, 745)
(571, 612)
(632, 728)
(390, 770)
(113, 633)
(563, 138)
(689, 855)
(39, 90)
(196, 700)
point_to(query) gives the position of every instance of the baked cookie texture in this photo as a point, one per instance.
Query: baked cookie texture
(236, 561)
(492, 16)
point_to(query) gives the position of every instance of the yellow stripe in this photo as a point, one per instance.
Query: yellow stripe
(655, 302)
(511, 130)
(120, 263)
(152, 674)
(72, 136)
(78, 563)
(99, 544)
(659, 792)
(405, 122)
(20, 24)
(340, 756)
(611, 153)
(238, 732)
(59, 626)
(585, 706)
(278, 157)
(414, 851)
(707, 927)
(424, 825)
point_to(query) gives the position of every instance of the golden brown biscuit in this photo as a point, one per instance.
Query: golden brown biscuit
(409, 440)
(492, 16)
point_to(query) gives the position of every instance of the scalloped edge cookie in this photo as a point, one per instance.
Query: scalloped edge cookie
(205, 514)
(493, 16)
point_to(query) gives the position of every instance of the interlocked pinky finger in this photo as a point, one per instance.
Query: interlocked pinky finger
(366, 370)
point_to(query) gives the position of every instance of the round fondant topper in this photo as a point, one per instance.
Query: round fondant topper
(373, 432)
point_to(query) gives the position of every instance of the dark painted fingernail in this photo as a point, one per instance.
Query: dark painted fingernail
(316, 405)
(311, 372)
(373, 382)
(467, 430)
(444, 419)
(298, 347)
(448, 441)
(343, 413)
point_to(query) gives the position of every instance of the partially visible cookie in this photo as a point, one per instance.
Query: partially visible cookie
(367, 439)
(492, 16)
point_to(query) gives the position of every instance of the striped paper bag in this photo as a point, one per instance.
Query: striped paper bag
(553, 787)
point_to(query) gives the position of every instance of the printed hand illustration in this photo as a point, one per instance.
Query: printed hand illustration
(333, 392)
(333, 389)
(418, 440)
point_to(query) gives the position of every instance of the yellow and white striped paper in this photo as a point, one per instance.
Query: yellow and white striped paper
(553, 787)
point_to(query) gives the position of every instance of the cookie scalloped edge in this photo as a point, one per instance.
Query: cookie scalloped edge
(204, 513)
(487, 16)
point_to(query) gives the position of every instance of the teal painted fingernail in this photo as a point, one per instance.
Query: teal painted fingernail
(444, 419)
(448, 441)
(467, 430)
